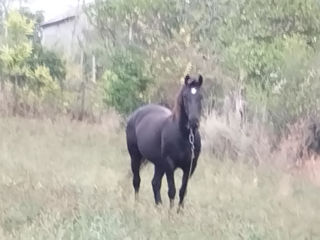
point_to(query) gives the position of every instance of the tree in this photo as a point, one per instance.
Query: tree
(165, 30)
(31, 69)
(268, 47)
(16, 50)
(40, 55)
(273, 42)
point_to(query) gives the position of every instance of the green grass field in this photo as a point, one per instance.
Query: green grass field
(67, 180)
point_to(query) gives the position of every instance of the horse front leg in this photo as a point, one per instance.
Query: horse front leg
(183, 189)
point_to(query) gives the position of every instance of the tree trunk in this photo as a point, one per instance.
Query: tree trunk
(83, 89)
(93, 69)
(2, 93)
(2, 83)
(15, 95)
(130, 32)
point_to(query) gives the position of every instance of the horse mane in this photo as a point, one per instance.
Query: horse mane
(176, 111)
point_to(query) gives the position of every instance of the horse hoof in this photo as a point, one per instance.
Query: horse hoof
(136, 197)
(180, 208)
(171, 203)
(158, 207)
(159, 203)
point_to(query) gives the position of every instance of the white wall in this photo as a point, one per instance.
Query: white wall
(64, 37)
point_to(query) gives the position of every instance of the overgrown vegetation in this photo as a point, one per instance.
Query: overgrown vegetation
(126, 84)
(30, 71)
(63, 180)
(276, 45)
(70, 181)
(268, 48)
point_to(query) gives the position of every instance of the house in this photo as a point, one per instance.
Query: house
(65, 32)
(68, 35)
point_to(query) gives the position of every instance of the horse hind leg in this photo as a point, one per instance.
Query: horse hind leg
(136, 160)
(171, 187)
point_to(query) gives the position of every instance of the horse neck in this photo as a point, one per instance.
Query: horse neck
(183, 120)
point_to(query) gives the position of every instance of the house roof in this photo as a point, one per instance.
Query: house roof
(65, 17)
(56, 22)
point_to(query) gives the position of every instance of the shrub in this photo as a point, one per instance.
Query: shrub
(125, 84)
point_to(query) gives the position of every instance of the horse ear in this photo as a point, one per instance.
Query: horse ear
(186, 79)
(200, 80)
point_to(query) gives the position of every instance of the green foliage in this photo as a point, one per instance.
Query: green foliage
(17, 47)
(40, 55)
(41, 82)
(255, 33)
(48, 58)
(125, 86)
(290, 96)
(35, 70)
(126, 82)
(274, 43)
(37, 18)
(164, 29)
(14, 58)
(19, 27)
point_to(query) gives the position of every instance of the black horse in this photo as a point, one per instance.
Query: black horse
(169, 139)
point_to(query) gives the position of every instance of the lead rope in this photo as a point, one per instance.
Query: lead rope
(191, 140)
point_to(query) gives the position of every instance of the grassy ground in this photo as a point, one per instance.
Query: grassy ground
(70, 181)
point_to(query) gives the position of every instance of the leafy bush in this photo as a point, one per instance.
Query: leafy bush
(34, 71)
(41, 82)
(48, 58)
(126, 83)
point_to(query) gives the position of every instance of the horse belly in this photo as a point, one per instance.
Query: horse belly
(148, 133)
(150, 149)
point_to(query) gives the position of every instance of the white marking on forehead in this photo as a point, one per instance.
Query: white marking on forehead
(193, 90)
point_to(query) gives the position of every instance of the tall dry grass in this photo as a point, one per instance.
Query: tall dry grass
(227, 138)
(70, 180)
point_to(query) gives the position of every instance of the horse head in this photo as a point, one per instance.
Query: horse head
(192, 99)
